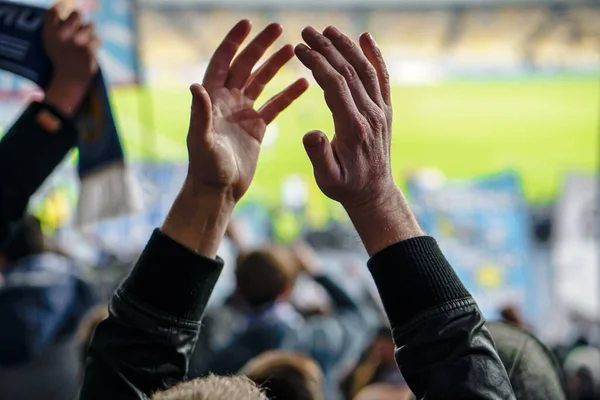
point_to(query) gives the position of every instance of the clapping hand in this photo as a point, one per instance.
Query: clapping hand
(225, 133)
(226, 129)
(354, 168)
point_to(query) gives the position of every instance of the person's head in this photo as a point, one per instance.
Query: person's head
(27, 239)
(286, 376)
(382, 391)
(532, 369)
(213, 387)
(582, 370)
(511, 315)
(266, 275)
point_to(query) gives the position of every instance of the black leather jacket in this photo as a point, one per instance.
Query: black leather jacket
(443, 349)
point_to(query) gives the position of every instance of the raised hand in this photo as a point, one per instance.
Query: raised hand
(71, 46)
(225, 128)
(225, 135)
(354, 168)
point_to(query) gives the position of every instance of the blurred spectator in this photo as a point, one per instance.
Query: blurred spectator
(382, 391)
(42, 302)
(511, 315)
(263, 318)
(582, 369)
(376, 366)
(286, 376)
(533, 371)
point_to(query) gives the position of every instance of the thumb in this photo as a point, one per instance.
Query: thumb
(201, 115)
(320, 153)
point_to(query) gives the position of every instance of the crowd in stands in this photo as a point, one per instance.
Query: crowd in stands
(423, 338)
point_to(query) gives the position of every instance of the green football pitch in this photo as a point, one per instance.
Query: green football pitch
(542, 128)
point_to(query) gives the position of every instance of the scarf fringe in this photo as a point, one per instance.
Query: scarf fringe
(107, 193)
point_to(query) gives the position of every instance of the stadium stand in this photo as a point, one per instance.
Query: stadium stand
(410, 33)
(496, 39)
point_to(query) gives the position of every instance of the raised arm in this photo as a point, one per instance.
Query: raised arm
(45, 132)
(145, 344)
(443, 349)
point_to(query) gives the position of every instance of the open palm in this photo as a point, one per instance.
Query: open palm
(225, 129)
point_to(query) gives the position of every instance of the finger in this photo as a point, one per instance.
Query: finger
(355, 56)
(324, 46)
(95, 43)
(201, 114)
(244, 63)
(321, 155)
(71, 26)
(257, 82)
(84, 35)
(272, 108)
(337, 95)
(218, 67)
(52, 19)
(373, 54)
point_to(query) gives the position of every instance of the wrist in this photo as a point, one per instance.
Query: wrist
(66, 95)
(199, 217)
(383, 221)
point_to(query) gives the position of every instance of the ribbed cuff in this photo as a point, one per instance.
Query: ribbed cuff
(413, 276)
(172, 279)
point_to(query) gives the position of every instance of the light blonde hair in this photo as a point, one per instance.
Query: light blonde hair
(214, 387)
(286, 375)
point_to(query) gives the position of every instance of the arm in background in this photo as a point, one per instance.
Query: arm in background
(45, 132)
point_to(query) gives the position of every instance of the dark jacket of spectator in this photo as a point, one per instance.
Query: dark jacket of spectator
(36, 143)
(533, 371)
(42, 303)
(444, 350)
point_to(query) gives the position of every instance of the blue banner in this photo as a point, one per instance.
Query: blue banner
(483, 229)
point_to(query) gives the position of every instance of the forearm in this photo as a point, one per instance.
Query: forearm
(154, 321)
(198, 219)
(340, 299)
(438, 329)
(384, 222)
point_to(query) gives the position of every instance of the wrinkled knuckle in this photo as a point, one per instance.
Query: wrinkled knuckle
(348, 72)
(347, 42)
(370, 72)
(362, 129)
(338, 81)
(323, 42)
(385, 74)
(376, 119)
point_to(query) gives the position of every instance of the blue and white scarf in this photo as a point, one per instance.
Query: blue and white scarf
(107, 186)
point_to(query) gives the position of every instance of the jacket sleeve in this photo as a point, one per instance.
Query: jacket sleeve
(442, 347)
(145, 344)
(29, 152)
(339, 337)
